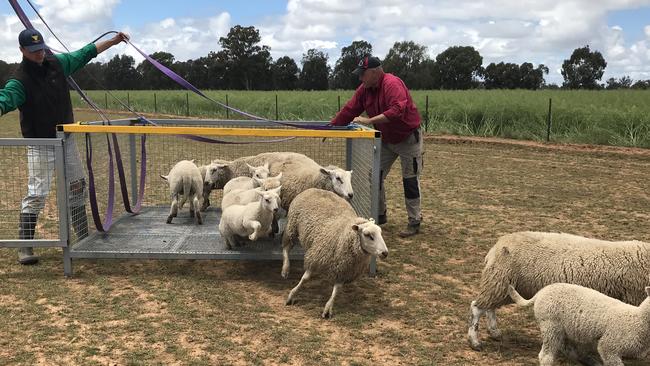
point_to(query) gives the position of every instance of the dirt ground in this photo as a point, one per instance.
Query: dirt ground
(414, 312)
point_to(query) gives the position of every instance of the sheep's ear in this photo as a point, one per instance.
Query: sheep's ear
(279, 176)
(164, 176)
(355, 227)
(325, 171)
(266, 165)
(250, 168)
(647, 290)
(221, 166)
(371, 220)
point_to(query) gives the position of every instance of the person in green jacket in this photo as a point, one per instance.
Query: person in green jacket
(39, 89)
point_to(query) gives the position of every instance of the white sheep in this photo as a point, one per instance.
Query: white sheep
(185, 179)
(299, 173)
(244, 196)
(584, 320)
(246, 183)
(531, 260)
(252, 220)
(338, 244)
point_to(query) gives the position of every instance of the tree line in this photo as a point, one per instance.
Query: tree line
(244, 64)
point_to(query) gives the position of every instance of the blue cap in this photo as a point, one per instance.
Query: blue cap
(31, 40)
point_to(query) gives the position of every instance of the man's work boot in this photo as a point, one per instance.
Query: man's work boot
(26, 229)
(410, 230)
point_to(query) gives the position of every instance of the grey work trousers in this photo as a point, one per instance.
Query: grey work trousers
(410, 153)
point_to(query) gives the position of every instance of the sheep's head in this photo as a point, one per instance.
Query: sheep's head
(270, 199)
(259, 172)
(269, 183)
(341, 181)
(370, 237)
(214, 172)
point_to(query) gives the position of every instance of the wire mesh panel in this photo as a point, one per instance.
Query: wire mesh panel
(31, 202)
(156, 149)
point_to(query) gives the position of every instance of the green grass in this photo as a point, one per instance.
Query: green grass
(619, 117)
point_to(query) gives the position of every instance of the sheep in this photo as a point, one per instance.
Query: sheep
(299, 173)
(210, 174)
(575, 316)
(246, 183)
(337, 243)
(185, 178)
(252, 220)
(244, 196)
(532, 260)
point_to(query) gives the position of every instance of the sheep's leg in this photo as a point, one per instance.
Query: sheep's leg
(255, 226)
(494, 332)
(292, 293)
(609, 356)
(553, 343)
(287, 242)
(173, 212)
(472, 332)
(195, 209)
(328, 310)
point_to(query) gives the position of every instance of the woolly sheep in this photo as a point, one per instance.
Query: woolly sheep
(246, 183)
(252, 220)
(185, 179)
(338, 246)
(571, 315)
(299, 173)
(244, 196)
(210, 174)
(532, 260)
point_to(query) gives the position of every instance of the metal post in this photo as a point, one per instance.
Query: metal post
(128, 100)
(105, 100)
(374, 193)
(548, 121)
(155, 103)
(277, 117)
(187, 104)
(426, 114)
(339, 104)
(62, 202)
(134, 180)
(227, 110)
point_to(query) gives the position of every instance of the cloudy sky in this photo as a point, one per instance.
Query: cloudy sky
(501, 30)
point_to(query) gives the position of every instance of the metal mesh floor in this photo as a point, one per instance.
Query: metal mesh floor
(147, 235)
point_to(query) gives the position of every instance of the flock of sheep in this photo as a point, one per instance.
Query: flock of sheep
(256, 188)
(590, 296)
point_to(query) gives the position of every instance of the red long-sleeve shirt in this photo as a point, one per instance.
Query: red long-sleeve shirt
(390, 97)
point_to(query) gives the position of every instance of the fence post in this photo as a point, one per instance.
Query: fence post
(187, 104)
(106, 100)
(339, 99)
(277, 117)
(128, 100)
(426, 114)
(548, 121)
(227, 110)
(155, 103)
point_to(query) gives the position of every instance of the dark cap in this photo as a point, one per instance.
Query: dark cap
(368, 62)
(31, 40)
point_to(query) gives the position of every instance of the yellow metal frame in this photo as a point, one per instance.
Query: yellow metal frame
(217, 131)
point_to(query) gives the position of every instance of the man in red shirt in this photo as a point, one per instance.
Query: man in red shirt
(390, 109)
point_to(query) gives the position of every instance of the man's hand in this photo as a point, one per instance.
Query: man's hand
(362, 120)
(120, 37)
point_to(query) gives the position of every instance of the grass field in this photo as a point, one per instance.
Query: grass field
(619, 117)
(413, 313)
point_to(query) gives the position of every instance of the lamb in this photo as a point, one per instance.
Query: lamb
(252, 220)
(246, 183)
(244, 196)
(532, 260)
(575, 316)
(185, 178)
(210, 174)
(299, 173)
(338, 246)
